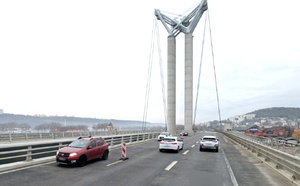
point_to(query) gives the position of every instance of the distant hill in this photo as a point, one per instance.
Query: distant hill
(38, 120)
(278, 112)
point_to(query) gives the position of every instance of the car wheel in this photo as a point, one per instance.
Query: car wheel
(105, 155)
(217, 149)
(181, 147)
(177, 149)
(160, 150)
(200, 149)
(82, 161)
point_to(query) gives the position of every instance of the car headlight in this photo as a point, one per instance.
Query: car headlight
(57, 152)
(73, 154)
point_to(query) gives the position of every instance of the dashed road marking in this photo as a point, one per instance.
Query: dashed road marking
(114, 163)
(171, 165)
(193, 146)
(185, 152)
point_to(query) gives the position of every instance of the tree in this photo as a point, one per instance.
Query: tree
(296, 134)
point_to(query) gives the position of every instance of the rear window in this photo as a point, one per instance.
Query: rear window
(164, 133)
(168, 140)
(209, 139)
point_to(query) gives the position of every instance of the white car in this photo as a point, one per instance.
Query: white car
(209, 142)
(171, 143)
(163, 135)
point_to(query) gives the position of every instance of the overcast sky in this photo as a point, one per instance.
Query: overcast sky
(90, 58)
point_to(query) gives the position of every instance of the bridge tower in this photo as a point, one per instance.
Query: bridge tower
(175, 26)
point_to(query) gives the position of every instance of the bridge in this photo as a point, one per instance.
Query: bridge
(240, 161)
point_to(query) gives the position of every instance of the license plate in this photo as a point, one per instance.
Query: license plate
(62, 159)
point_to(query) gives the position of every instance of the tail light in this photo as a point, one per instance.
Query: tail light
(215, 141)
(174, 143)
(162, 142)
(203, 141)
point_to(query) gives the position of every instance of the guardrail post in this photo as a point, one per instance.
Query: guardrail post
(130, 140)
(41, 136)
(112, 141)
(143, 137)
(10, 139)
(26, 136)
(29, 154)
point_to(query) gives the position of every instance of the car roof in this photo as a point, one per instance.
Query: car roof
(170, 138)
(209, 137)
(88, 138)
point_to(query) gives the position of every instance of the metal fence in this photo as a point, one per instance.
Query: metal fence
(26, 153)
(18, 137)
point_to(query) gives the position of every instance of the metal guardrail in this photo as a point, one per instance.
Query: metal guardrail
(33, 151)
(16, 137)
(282, 161)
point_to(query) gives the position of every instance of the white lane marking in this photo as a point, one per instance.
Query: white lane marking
(114, 163)
(233, 179)
(197, 142)
(171, 165)
(225, 140)
(27, 167)
(193, 146)
(185, 152)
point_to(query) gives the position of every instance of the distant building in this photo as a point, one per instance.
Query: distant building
(1, 111)
(228, 127)
(110, 127)
(240, 118)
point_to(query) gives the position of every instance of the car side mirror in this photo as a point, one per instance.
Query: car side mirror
(90, 147)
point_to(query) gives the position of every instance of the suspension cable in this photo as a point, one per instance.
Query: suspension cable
(195, 111)
(148, 77)
(161, 72)
(212, 52)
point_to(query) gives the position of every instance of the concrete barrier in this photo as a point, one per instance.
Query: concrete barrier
(287, 164)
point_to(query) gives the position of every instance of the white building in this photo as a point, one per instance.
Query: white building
(240, 118)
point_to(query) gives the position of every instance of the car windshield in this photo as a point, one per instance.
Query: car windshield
(209, 139)
(168, 140)
(79, 144)
(164, 133)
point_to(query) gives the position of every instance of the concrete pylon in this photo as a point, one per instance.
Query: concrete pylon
(188, 84)
(171, 100)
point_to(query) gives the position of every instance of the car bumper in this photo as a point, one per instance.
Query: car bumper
(165, 147)
(65, 160)
(209, 147)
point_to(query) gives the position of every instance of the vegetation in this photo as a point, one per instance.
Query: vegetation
(296, 134)
(278, 112)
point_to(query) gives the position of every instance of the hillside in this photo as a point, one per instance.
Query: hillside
(278, 112)
(37, 120)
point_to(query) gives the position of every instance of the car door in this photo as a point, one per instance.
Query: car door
(180, 143)
(91, 151)
(100, 148)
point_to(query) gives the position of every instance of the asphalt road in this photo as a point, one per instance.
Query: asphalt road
(232, 165)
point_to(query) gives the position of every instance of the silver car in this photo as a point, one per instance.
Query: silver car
(209, 142)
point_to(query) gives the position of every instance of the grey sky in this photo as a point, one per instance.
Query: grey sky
(90, 58)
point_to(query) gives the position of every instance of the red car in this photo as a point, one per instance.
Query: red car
(82, 150)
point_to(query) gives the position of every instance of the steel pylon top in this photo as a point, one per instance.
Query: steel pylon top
(180, 23)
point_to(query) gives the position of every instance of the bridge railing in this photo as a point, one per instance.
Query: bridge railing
(264, 149)
(18, 155)
(18, 137)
